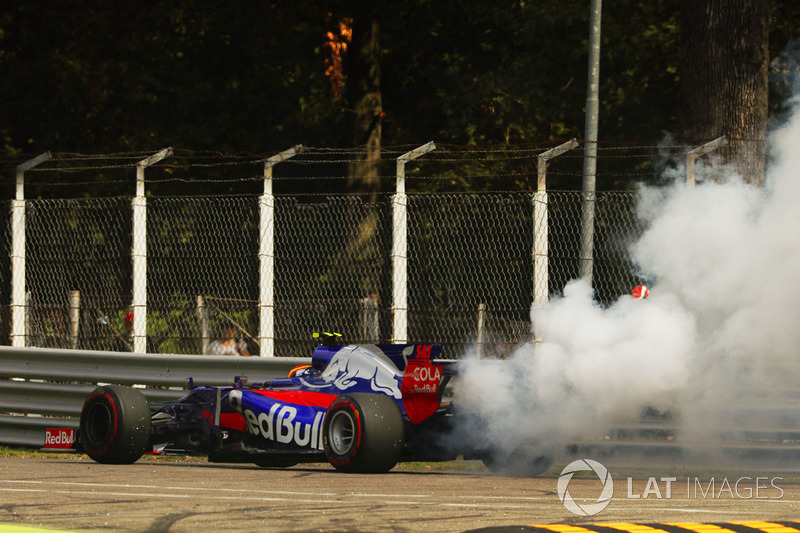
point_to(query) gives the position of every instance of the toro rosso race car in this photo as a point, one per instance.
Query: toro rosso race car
(363, 408)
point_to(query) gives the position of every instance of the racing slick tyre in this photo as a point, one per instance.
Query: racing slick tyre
(115, 425)
(363, 433)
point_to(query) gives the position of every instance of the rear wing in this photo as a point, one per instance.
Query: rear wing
(423, 382)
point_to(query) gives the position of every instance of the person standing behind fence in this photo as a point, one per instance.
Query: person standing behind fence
(124, 342)
(227, 343)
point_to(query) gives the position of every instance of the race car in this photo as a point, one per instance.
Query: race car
(363, 408)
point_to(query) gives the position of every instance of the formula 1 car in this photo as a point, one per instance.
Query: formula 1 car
(363, 408)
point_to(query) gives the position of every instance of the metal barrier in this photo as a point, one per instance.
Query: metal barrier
(44, 388)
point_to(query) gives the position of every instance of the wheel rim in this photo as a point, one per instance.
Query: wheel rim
(99, 418)
(341, 432)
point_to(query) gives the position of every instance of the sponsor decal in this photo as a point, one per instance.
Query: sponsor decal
(280, 422)
(354, 365)
(426, 379)
(59, 438)
(420, 387)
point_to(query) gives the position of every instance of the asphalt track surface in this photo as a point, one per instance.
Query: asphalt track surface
(173, 495)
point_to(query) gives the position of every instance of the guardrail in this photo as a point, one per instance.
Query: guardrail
(44, 388)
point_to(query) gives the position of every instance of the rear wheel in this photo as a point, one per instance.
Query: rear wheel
(115, 425)
(363, 433)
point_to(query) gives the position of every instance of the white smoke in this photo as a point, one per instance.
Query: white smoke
(721, 320)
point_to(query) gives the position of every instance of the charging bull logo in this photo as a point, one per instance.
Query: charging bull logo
(351, 365)
(297, 425)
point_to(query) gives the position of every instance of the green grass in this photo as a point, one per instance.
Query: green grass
(5, 451)
(414, 466)
(442, 466)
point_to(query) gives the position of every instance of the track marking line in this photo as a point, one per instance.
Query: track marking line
(277, 492)
(267, 499)
(165, 495)
(159, 487)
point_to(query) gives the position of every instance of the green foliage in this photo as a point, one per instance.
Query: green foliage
(515, 72)
(176, 329)
(102, 77)
(105, 77)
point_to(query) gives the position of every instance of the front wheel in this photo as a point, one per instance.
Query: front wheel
(363, 433)
(115, 425)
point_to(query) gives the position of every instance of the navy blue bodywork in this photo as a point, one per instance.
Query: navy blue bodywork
(280, 422)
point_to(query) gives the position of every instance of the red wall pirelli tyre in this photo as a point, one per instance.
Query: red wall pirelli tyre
(363, 433)
(115, 425)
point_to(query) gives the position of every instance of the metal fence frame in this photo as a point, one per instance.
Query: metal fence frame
(550, 264)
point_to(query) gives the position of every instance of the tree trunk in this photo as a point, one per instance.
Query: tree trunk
(724, 84)
(363, 89)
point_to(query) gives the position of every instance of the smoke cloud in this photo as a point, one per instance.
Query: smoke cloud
(721, 322)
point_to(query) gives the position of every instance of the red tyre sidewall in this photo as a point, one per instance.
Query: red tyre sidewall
(110, 401)
(343, 404)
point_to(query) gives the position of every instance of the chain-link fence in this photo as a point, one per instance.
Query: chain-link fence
(5, 272)
(320, 251)
(202, 269)
(78, 258)
(466, 250)
(470, 268)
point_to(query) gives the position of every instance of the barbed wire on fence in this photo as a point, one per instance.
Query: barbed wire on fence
(470, 245)
(71, 161)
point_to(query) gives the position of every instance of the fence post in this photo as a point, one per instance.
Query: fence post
(19, 306)
(370, 330)
(590, 143)
(202, 321)
(541, 251)
(481, 326)
(139, 253)
(266, 255)
(693, 154)
(74, 318)
(400, 246)
(28, 306)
